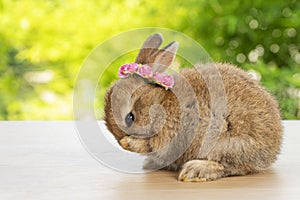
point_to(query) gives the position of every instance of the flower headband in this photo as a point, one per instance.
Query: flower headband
(145, 71)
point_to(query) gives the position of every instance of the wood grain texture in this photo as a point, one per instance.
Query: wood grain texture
(45, 160)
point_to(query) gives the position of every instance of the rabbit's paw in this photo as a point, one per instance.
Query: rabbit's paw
(200, 171)
(124, 142)
(138, 145)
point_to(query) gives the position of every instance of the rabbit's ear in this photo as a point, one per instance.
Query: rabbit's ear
(149, 48)
(164, 57)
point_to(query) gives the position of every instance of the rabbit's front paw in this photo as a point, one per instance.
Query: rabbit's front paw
(124, 142)
(138, 145)
(200, 171)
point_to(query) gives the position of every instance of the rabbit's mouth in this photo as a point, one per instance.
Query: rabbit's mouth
(141, 135)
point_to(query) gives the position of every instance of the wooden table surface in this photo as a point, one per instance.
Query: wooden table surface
(45, 160)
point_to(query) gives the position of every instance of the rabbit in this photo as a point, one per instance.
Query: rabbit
(179, 129)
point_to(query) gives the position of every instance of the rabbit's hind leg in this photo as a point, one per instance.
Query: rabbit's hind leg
(200, 171)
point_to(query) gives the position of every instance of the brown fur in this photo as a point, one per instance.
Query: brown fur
(251, 126)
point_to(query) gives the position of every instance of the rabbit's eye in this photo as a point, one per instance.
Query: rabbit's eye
(129, 119)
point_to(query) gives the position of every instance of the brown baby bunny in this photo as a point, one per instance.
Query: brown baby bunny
(216, 121)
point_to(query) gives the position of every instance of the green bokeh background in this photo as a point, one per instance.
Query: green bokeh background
(43, 44)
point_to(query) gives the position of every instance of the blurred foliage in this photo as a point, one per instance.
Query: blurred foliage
(43, 44)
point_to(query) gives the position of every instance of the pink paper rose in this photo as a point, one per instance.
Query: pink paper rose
(145, 71)
(165, 80)
(127, 69)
